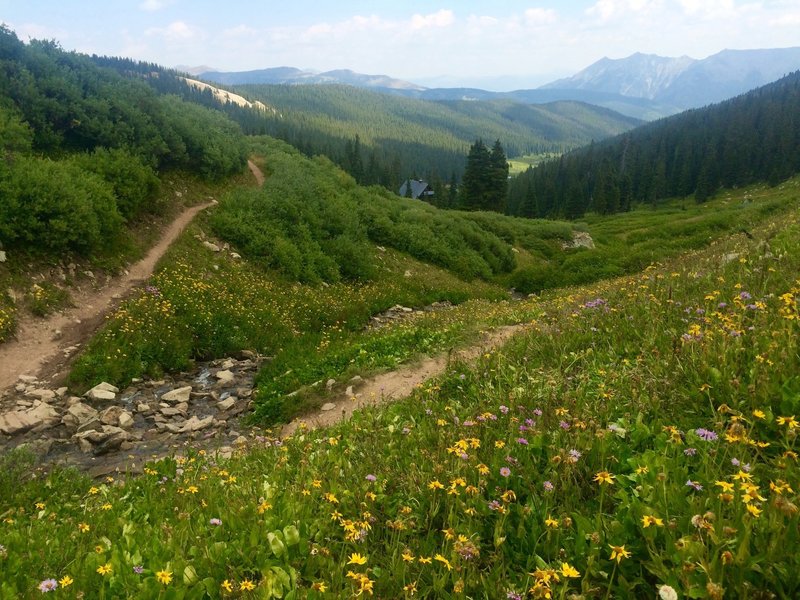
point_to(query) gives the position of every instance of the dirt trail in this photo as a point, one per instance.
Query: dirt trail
(256, 172)
(44, 347)
(399, 383)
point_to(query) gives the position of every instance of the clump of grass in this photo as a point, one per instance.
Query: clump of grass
(45, 298)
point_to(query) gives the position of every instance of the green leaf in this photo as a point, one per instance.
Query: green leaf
(276, 544)
(291, 535)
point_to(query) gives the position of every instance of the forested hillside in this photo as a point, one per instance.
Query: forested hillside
(83, 147)
(752, 138)
(382, 139)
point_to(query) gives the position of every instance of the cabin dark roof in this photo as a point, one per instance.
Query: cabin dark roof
(418, 188)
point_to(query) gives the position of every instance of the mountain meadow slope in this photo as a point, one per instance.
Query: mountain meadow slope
(636, 439)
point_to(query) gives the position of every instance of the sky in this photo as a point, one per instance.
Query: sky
(497, 45)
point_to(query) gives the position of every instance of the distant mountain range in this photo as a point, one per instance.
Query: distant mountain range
(293, 76)
(644, 86)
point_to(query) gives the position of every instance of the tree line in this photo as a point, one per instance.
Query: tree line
(83, 146)
(751, 138)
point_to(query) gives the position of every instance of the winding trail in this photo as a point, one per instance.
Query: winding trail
(397, 384)
(44, 348)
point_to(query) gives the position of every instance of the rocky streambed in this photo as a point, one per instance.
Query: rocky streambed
(108, 429)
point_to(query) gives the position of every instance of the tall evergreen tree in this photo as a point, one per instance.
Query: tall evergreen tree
(498, 178)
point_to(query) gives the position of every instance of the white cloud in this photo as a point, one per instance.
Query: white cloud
(442, 18)
(787, 20)
(536, 17)
(175, 31)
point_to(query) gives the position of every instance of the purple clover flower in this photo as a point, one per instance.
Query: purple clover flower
(371, 477)
(494, 505)
(215, 521)
(706, 434)
(537, 412)
(548, 486)
(505, 471)
(48, 585)
(695, 485)
(504, 409)
(522, 441)
(563, 425)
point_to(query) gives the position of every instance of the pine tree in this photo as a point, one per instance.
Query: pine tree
(498, 177)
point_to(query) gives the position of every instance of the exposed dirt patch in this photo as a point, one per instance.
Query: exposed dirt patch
(44, 348)
(399, 383)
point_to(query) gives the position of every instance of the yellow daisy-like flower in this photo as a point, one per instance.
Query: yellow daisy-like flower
(319, 586)
(444, 561)
(759, 414)
(83, 527)
(567, 570)
(551, 523)
(754, 510)
(425, 560)
(357, 559)
(331, 498)
(642, 470)
(618, 553)
(246, 586)
(227, 586)
(164, 577)
(435, 485)
(104, 569)
(604, 477)
(725, 485)
(648, 520)
(407, 556)
(66, 581)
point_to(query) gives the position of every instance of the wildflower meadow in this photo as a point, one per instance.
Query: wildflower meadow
(638, 440)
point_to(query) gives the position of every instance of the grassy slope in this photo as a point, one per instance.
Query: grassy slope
(593, 455)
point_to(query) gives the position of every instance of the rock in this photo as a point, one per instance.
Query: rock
(329, 384)
(211, 246)
(248, 354)
(349, 391)
(729, 257)
(110, 416)
(171, 412)
(102, 391)
(240, 441)
(235, 255)
(229, 363)
(356, 379)
(27, 379)
(226, 404)
(16, 421)
(182, 407)
(196, 424)
(45, 417)
(125, 420)
(225, 452)
(328, 406)
(407, 274)
(2, 256)
(78, 415)
(225, 377)
(180, 394)
(60, 392)
(143, 408)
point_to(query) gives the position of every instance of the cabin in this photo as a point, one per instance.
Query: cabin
(419, 189)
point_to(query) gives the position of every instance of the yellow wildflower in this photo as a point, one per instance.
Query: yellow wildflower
(604, 477)
(618, 553)
(357, 559)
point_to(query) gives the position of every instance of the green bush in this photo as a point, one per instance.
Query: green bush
(55, 206)
(135, 184)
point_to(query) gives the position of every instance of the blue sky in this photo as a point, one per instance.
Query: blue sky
(498, 44)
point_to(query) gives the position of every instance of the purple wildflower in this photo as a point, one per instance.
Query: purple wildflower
(406, 431)
(494, 505)
(464, 456)
(690, 451)
(503, 409)
(522, 441)
(371, 477)
(722, 305)
(513, 596)
(469, 423)
(138, 569)
(694, 485)
(530, 422)
(706, 434)
(537, 412)
(735, 462)
(744, 295)
(505, 471)
(746, 467)
(563, 425)
(548, 486)
(215, 521)
(48, 585)
(574, 455)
